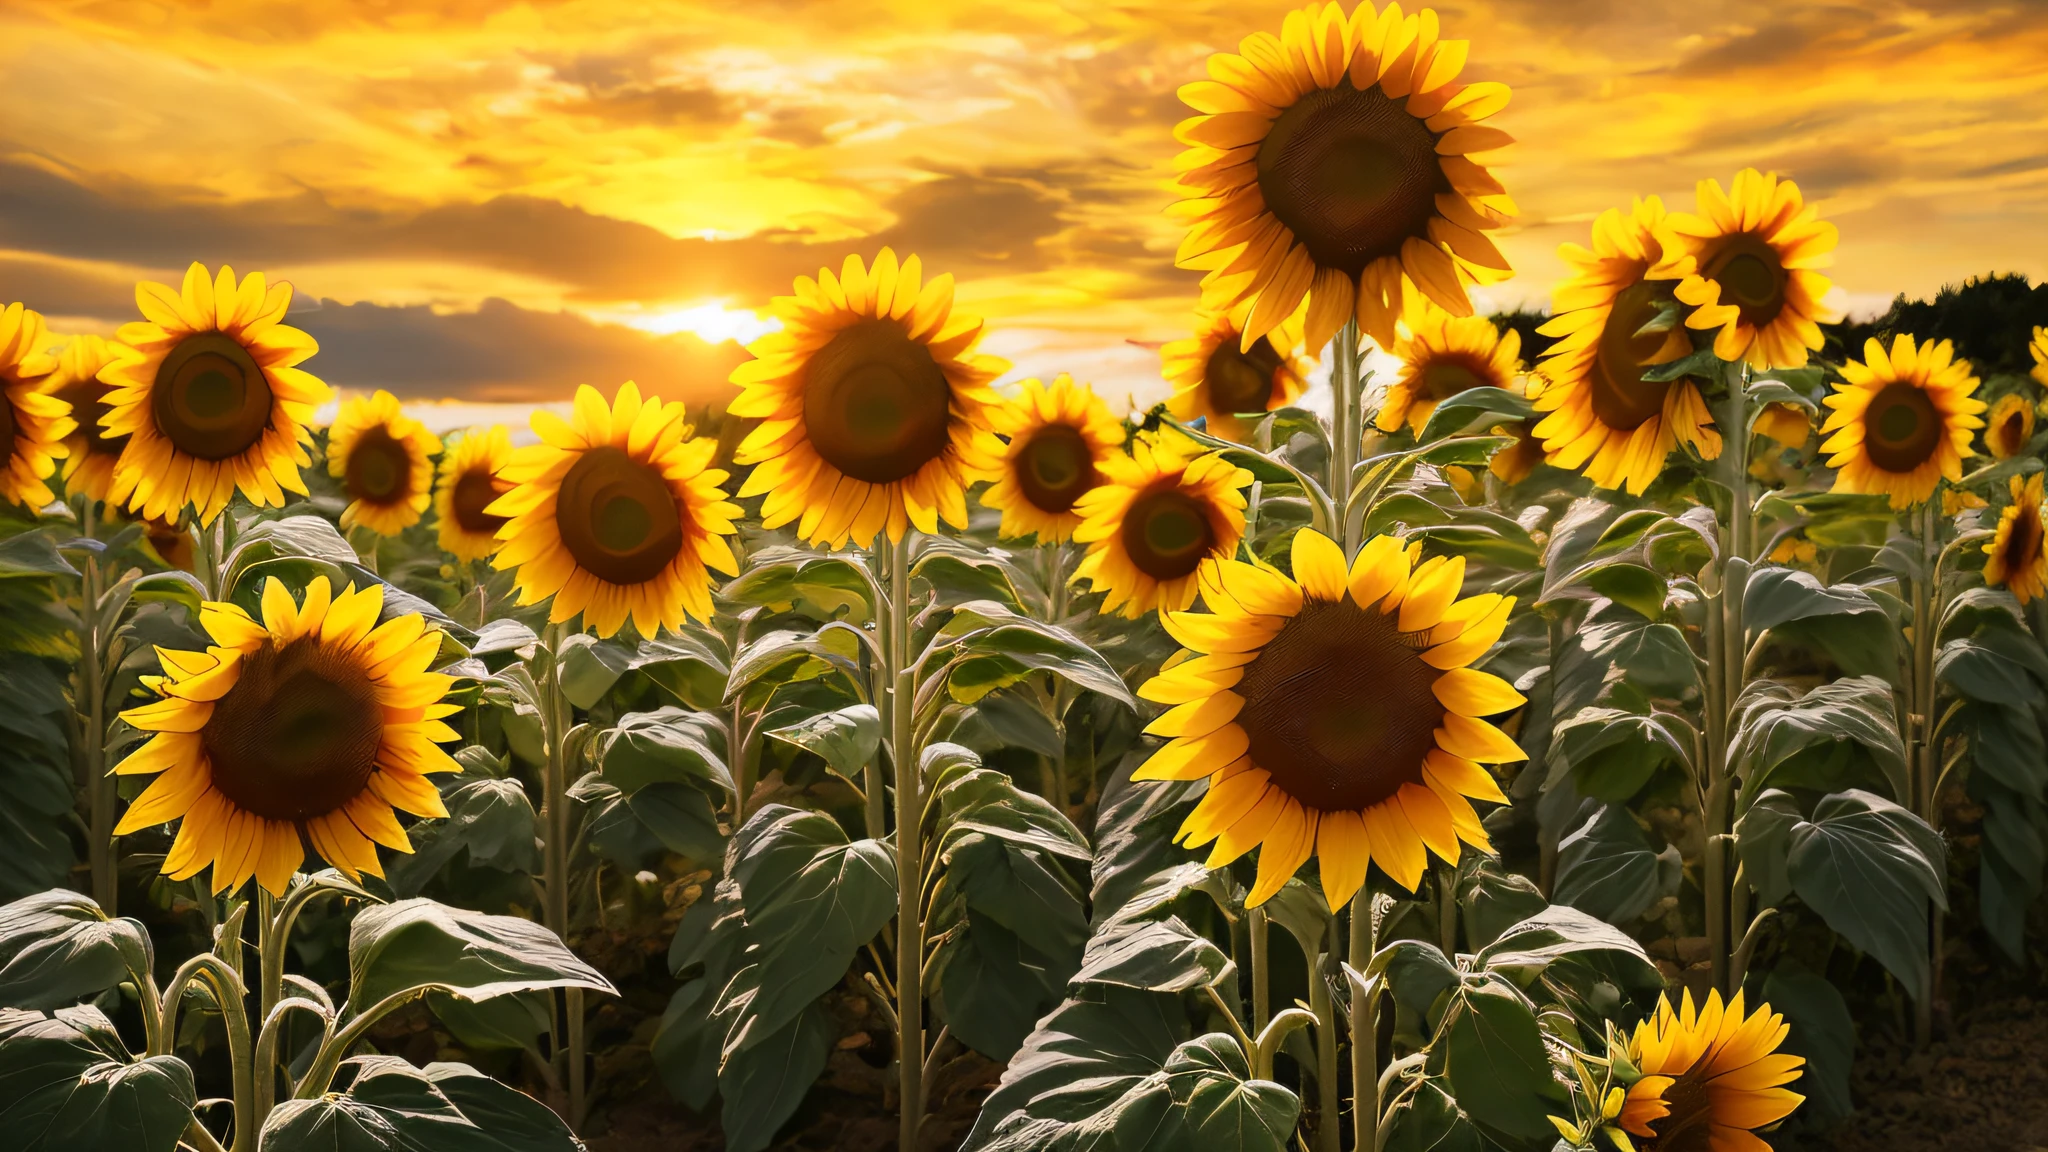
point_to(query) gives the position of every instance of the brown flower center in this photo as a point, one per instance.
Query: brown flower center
(2023, 541)
(1901, 428)
(1240, 381)
(1688, 1127)
(1351, 174)
(1751, 278)
(2009, 437)
(1167, 532)
(298, 735)
(9, 428)
(1622, 399)
(474, 492)
(1338, 707)
(1445, 377)
(379, 469)
(211, 399)
(88, 400)
(1055, 468)
(618, 517)
(876, 403)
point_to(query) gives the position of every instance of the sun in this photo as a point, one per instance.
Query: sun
(380, 455)
(874, 407)
(1747, 264)
(1334, 163)
(1058, 439)
(2018, 554)
(1441, 356)
(91, 453)
(1335, 714)
(2010, 427)
(468, 485)
(1901, 421)
(310, 724)
(1158, 514)
(34, 422)
(1710, 1078)
(1215, 376)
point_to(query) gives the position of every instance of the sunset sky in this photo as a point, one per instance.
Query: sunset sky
(497, 201)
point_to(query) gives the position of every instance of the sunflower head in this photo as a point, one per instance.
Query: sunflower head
(1334, 713)
(616, 514)
(1711, 1077)
(1514, 463)
(90, 453)
(1748, 264)
(2039, 348)
(2010, 427)
(210, 395)
(1157, 515)
(380, 454)
(307, 725)
(1334, 163)
(1443, 355)
(2018, 554)
(873, 405)
(1059, 438)
(1787, 424)
(468, 485)
(1901, 420)
(1215, 376)
(33, 423)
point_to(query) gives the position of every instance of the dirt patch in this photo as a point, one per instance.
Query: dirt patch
(1984, 1087)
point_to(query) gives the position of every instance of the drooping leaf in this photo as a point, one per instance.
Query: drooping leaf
(57, 948)
(36, 852)
(1608, 868)
(68, 1085)
(419, 943)
(391, 1106)
(1836, 736)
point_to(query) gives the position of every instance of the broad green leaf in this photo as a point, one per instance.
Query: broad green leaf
(1217, 1104)
(958, 577)
(2004, 666)
(1492, 900)
(1632, 586)
(36, 774)
(493, 820)
(785, 656)
(1836, 736)
(1494, 1059)
(1424, 1118)
(1612, 754)
(418, 943)
(685, 666)
(1562, 933)
(1820, 1029)
(1762, 840)
(990, 984)
(391, 1106)
(847, 739)
(666, 746)
(58, 948)
(1475, 410)
(1873, 870)
(1003, 637)
(590, 667)
(32, 554)
(502, 1023)
(1153, 955)
(1608, 868)
(764, 1084)
(1844, 621)
(1416, 973)
(1134, 831)
(68, 1085)
(791, 580)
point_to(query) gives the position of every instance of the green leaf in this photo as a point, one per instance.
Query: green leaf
(1564, 934)
(67, 1085)
(785, 656)
(2003, 666)
(1613, 755)
(1474, 410)
(1417, 973)
(1842, 620)
(1762, 839)
(665, 746)
(847, 739)
(1836, 736)
(35, 775)
(390, 1106)
(421, 944)
(58, 948)
(1822, 1030)
(990, 984)
(32, 554)
(491, 819)
(590, 667)
(1134, 830)
(1492, 900)
(1606, 867)
(959, 575)
(1153, 955)
(1494, 1058)
(764, 1084)
(1424, 1118)
(1871, 869)
(1631, 585)
(502, 1023)
(1005, 639)
(685, 666)
(1217, 1104)
(792, 580)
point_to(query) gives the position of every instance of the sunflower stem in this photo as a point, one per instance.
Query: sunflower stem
(1262, 996)
(1344, 433)
(1329, 1102)
(1726, 652)
(90, 697)
(555, 856)
(1925, 748)
(229, 992)
(1365, 1048)
(902, 694)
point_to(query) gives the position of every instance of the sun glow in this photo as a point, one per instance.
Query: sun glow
(713, 322)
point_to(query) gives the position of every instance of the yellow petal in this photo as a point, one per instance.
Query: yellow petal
(1318, 565)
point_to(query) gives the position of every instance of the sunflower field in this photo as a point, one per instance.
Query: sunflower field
(1591, 733)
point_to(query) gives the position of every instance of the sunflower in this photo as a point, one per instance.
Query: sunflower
(2040, 350)
(1613, 323)
(1059, 439)
(1711, 1078)
(1515, 462)
(1901, 421)
(380, 455)
(2018, 559)
(1788, 424)
(1215, 377)
(33, 422)
(873, 405)
(1334, 162)
(1334, 714)
(2010, 427)
(1441, 356)
(1158, 513)
(90, 453)
(469, 484)
(616, 514)
(210, 396)
(1746, 264)
(314, 721)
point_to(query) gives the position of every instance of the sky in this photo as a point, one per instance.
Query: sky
(493, 202)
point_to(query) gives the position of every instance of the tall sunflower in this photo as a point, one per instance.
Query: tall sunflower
(873, 405)
(1441, 356)
(1334, 162)
(469, 484)
(312, 722)
(1613, 323)
(1157, 515)
(33, 424)
(1711, 1077)
(1901, 421)
(1334, 714)
(1215, 377)
(2011, 426)
(1747, 264)
(2019, 552)
(381, 454)
(1059, 439)
(91, 453)
(616, 514)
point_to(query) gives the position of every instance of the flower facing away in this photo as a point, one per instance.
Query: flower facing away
(1158, 513)
(1746, 262)
(92, 454)
(1613, 324)
(2018, 554)
(33, 422)
(1060, 436)
(873, 405)
(1441, 356)
(1334, 714)
(309, 725)
(211, 397)
(1215, 376)
(1334, 163)
(469, 484)
(1711, 1077)
(1788, 424)
(1901, 421)
(380, 455)
(2010, 426)
(616, 513)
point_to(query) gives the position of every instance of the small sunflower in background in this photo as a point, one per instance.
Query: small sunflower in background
(1215, 376)
(1901, 420)
(2040, 350)
(1060, 436)
(91, 452)
(1747, 264)
(209, 393)
(873, 405)
(1711, 1077)
(33, 422)
(2018, 554)
(468, 485)
(311, 723)
(1613, 324)
(380, 455)
(1441, 356)
(1334, 714)
(1514, 463)
(1159, 513)
(1787, 424)
(1334, 163)
(616, 514)
(2010, 426)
